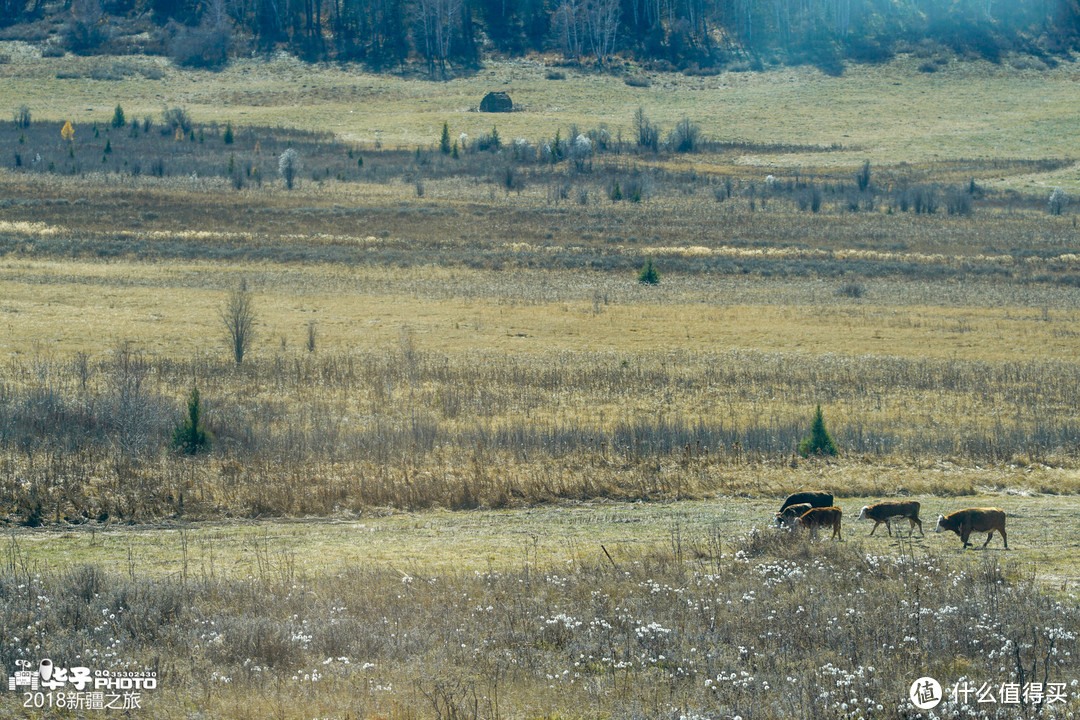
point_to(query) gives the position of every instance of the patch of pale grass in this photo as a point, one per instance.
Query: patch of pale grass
(1038, 504)
(23, 227)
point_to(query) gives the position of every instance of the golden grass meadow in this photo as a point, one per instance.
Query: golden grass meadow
(468, 465)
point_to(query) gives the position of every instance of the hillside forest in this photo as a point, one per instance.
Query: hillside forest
(451, 36)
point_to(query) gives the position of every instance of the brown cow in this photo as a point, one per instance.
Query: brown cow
(814, 518)
(883, 512)
(965, 522)
(815, 499)
(790, 514)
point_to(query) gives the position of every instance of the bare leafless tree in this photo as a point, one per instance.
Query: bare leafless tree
(1059, 200)
(238, 317)
(437, 20)
(591, 22)
(601, 22)
(131, 410)
(215, 15)
(569, 22)
(22, 114)
(288, 166)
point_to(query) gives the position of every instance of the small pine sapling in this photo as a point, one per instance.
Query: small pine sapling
(649, 274)
(820, 441)
(189, 437)
(444, 141)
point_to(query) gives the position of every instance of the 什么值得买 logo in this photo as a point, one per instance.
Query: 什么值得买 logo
(927, 693)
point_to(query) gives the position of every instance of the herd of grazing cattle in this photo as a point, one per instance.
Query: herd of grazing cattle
(812, 510)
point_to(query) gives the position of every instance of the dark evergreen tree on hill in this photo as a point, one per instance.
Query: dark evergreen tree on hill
(502, 21)
(15, 11)
(182, 11)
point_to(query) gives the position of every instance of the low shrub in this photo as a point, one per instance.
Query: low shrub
(851, 290)
(204, 47)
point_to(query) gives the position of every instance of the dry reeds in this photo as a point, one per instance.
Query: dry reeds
(701, 624)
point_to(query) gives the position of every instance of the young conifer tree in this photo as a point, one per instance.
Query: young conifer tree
(649, 274)
(820, 441)
(189, 437)
(444, 141)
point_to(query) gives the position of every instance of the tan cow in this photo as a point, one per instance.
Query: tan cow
(965, 522)
(883, 512)
(814, 518)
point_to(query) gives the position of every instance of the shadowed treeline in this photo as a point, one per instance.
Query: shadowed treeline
(451, 36)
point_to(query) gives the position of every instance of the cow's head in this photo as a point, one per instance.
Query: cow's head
(862, 513)
(940, 524)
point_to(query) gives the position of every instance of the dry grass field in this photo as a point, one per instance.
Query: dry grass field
(641, 610)
(470, 467)
(889, 113)
(440, 541)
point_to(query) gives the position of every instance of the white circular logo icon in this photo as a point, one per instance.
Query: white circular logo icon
(925, 693)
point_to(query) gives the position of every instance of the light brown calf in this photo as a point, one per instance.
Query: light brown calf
(822, 517)
(883, 512)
